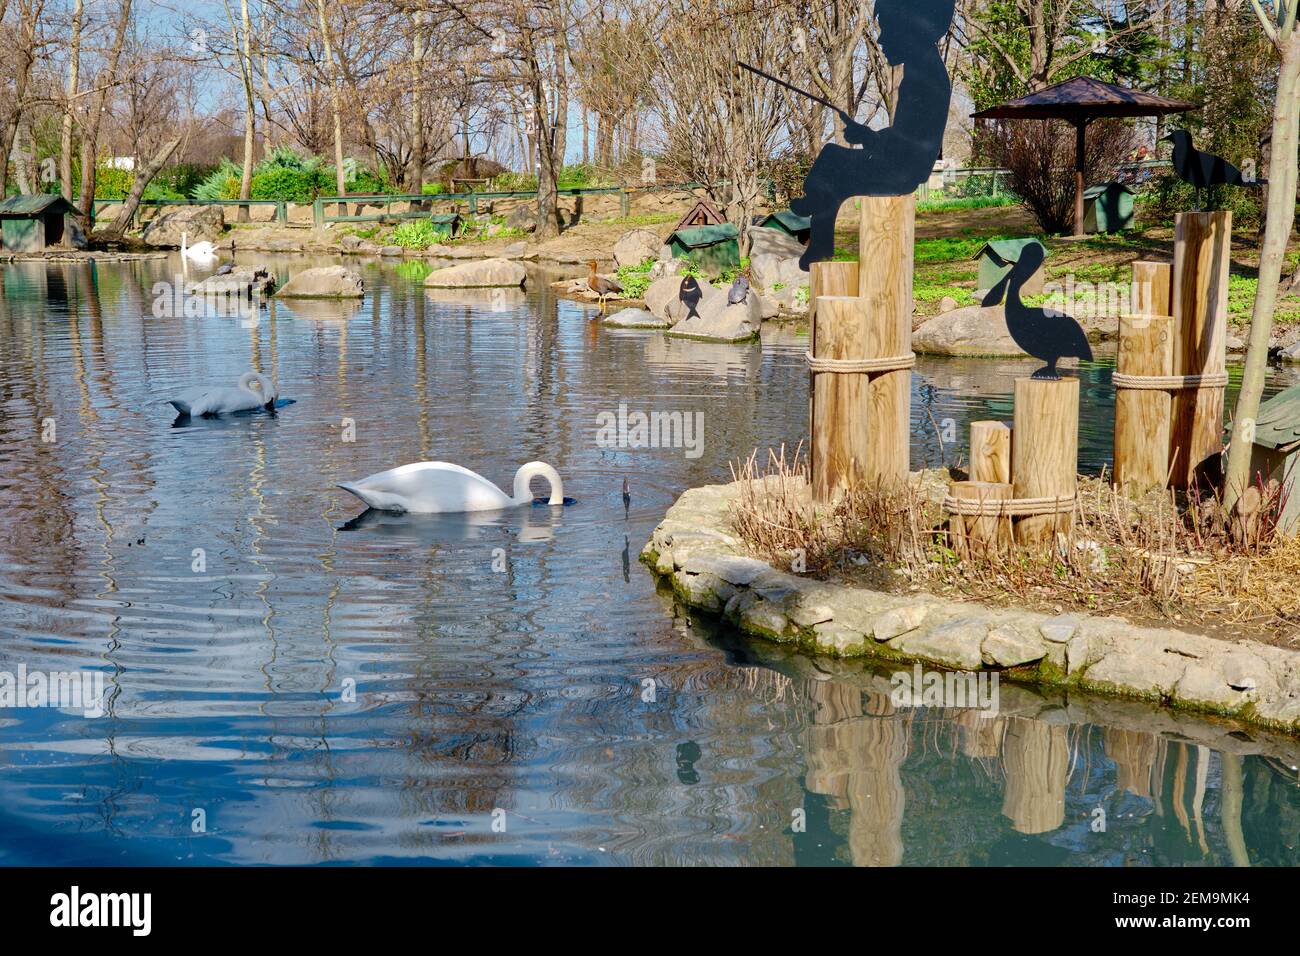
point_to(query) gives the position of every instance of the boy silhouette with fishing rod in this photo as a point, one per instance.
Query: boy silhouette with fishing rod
(893, 160)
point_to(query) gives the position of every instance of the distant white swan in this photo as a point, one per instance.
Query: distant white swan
(433, 487)
(204, 252)
(254, 390)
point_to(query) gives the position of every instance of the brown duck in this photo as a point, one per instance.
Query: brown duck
(601, 285)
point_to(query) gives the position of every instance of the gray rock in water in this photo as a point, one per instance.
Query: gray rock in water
(717, 321)
(636, 319)
(483, 274)
(973, 330)
(324, 282)
(198, 223)
(635, 246)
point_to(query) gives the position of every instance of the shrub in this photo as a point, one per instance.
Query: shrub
(114, 183)
(415, 234)
(221, 183)
(635, 279)
(1040, 157)
(288, 185)
(432, 189)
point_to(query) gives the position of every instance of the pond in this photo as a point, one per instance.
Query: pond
(289, 681)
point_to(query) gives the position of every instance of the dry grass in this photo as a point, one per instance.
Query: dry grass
(1161, 558)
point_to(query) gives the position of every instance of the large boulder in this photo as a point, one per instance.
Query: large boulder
(198, 223)
(635, 246)
(242, 280)
(483, 274)
(523, 216)
(324, 282)
(773, 242)
(973, 330)
(660, 292)
(719, 322)
(769, 270)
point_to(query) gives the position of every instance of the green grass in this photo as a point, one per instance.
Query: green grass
(946, 203)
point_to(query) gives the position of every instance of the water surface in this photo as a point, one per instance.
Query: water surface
(233, 597)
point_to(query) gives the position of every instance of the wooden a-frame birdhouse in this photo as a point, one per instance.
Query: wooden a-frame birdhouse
(703, 213)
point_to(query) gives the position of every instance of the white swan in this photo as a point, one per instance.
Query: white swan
(202, 252)
(433, 487)
(254, 390)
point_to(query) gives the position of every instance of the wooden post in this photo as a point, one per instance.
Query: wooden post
(831, 279)
(977, 534)
(885, 259)
(1152, 288)
(1045, 454)
(1202, 251)
(838, 434)
(1142, 416)
(990, 452)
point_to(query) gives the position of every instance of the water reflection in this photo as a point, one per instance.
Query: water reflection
(330, 684)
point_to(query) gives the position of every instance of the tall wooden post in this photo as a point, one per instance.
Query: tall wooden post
(839, 435)
(830, 279)
(1045, 454)
(990, 451)
(1202, 252)
(1142, 415)
(1152, 288)
(885, 260)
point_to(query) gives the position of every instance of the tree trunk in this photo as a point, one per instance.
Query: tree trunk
(143, 177)
(70, 92)
(1277, 230)
(250, 112)
(90, 130)
(340, 177)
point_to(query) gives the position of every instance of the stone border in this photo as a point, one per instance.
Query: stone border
(705, 562)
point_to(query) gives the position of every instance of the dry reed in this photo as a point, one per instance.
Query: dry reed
(1161, 557)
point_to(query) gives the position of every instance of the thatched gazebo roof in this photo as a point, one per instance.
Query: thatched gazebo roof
(1080, 100)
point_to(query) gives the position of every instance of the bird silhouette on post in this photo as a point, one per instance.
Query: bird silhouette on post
(1202, 170)
(690, 295)
(1050, 336)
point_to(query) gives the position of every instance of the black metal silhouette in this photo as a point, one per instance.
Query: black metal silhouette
(1050, 336)
(738, 292)
(1202, 170)
(690, 295)
(894, 160)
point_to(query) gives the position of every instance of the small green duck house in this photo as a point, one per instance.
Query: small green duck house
(783, 220)
(997, 256)
(1107, 207)
(35, 223)
(712, 249)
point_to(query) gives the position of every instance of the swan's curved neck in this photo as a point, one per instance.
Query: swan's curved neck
(525, 475)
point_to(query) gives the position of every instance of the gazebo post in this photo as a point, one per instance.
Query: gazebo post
(1080, 130)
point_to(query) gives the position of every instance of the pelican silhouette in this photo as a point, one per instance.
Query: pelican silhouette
(1050, 336)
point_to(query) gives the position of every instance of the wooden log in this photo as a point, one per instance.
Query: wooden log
(1152, 288)
(1045, 454)
(838, 436)
(974, 535)
(1142, 416)
(990, 451)
(885, 250)
(1202, 252)
(830, 279)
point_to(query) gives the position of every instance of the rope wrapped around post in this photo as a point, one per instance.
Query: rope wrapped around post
(846, 366)
(1009, 507)
(1165, 383)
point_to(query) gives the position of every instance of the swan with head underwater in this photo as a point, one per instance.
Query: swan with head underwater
(254, 391)
(439, 487)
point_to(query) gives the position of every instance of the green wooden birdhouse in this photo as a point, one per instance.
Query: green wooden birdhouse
(997, 256)
(786, 221)
(1107, 207)
(713, 249)
(446, 224)
(1275, 454)
(35, 222)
